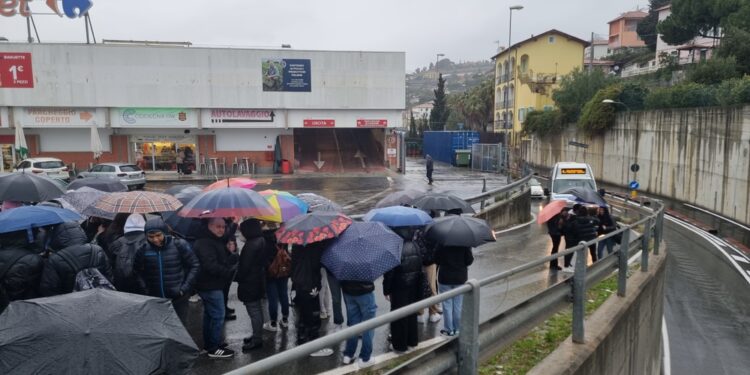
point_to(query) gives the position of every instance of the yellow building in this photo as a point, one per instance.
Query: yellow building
(528, 72)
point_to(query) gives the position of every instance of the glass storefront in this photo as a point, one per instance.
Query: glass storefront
(8, 156)
(162, 153)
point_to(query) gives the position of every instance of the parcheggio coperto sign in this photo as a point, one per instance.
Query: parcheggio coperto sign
(286, 75)
(154, 117)
(70, 8)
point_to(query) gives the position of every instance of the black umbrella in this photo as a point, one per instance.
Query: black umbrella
(105, 184)
(442, 202)
(27, 187)
(586, 195)
(186, 227)
(399, 198)
(457, 230)
(96, 331)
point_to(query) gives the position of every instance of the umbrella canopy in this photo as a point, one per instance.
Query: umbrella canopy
(27, 217)
(21, 149)
(27, 187)
(105, 184)
(140, 202)
(550, 210)
(462, 231)
(238, 182)
(317, 202)
(96, 331)
(285, 205)
(313, 227)
(185, 227)
(176, 189)
(399, 198)
(586, 195)
(96, 143)
(399, 216)
(364, 252)
(227, 202)
(442, 202)
(82, 198)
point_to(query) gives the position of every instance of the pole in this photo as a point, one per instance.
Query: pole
(505, 115)
(28, 30)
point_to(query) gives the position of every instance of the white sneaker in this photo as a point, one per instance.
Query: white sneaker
(421, 318)
(434, 318)
(322, 353)
(270, 327)
(323, 315)
(347, 360)
(568, 269)
(337, 327)
(363, 364)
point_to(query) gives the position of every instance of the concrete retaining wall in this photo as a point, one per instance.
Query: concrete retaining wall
(508, 212)
(623, 336)
(699, 156)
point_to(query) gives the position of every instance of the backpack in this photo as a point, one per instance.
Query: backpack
(125, 260)
(282, 264)
(89, 277)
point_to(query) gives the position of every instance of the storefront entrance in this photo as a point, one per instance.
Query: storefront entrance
(8, 157)
(160, 154)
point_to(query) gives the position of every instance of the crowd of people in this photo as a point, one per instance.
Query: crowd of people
(579, 224)
(140, 254)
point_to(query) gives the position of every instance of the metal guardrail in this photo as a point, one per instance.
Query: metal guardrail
(473, 343)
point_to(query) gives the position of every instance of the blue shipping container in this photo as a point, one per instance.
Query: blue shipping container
(442, 145)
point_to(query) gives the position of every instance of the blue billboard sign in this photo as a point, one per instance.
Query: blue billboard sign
(286, 75)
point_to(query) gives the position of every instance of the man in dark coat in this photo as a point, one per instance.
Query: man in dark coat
(580, 227)
(124, 250)
(306, 283)
(251, 279)
(20, 268)
(403, 286)
(70, 254)
(166, 267)
(554, 229)
(218, 265)
(429, 166)
(453, 270)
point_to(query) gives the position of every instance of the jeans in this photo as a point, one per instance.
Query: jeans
(451, 308)
(213, 318)
(277, 292)
(333, 284)
(359, 309)
(255, 311)
(609, 243)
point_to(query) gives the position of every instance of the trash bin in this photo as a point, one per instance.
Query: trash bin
(463, 158)
(286, 168)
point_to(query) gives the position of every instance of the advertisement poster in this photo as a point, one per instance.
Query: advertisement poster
(59, 117)
(15, 70)
(291, 75)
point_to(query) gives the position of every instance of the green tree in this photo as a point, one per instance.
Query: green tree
(412, 125)
(713, 71)
(576, 89)
(693, 18)
(597, 116)
(736, 43)
(440, 112)
(647, 27)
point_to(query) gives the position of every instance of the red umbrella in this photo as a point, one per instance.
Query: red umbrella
(239, 182)
(550, 210)
(313, 227)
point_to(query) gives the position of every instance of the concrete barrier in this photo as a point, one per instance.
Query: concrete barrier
(508, 212)
(623, 336)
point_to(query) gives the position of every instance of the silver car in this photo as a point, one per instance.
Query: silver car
(129, 174)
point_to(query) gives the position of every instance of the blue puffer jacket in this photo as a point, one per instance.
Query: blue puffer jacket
(168, 271)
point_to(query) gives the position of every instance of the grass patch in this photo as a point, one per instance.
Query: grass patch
(525, 353)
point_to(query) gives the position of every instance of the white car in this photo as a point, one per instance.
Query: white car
(536, 188)
(129, 174)
(50, 167)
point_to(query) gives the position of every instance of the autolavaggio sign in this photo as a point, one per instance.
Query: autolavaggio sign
(70, 8)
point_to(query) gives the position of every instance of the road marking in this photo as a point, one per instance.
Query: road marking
(717, 215)
(665, 343)
(740, 259)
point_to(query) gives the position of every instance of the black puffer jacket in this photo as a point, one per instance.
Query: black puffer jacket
(21, 281)
(408, 274)
(581, 228)
(554, 225)
(453, 264)
(168, 271)
(254, 261)
(70, 255)
(217, 263)
(306, 267)
(124, 250)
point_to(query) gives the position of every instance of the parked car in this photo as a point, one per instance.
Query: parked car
(129, 174)
(50, 167)
(536, 188)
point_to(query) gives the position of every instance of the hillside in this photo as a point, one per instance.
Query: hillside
(459, 78)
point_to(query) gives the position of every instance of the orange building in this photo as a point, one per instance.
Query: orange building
(622, 31)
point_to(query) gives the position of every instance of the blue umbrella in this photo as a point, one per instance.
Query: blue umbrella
(28, 217)
(364, 252)
(399, 216)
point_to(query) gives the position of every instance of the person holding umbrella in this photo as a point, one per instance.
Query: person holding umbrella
(20, 268)
(124, 250)
(251, 279)
(403, 286)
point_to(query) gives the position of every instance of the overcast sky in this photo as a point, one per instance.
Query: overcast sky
(462, 30)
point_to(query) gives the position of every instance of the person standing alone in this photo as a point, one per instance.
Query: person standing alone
(429, 165)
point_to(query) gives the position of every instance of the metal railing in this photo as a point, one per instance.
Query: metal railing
(472, 343)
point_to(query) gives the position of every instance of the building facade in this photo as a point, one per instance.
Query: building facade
(623, 31)
(697, 50)
(528, 72)
(151, 102)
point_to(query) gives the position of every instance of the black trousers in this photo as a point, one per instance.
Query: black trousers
(569, 257)
(308, 319)
(404, 331)
(555, 246)
(429, 175)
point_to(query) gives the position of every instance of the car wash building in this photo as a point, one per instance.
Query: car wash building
(327, 111)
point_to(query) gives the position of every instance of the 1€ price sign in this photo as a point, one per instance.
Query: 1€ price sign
(15, 70)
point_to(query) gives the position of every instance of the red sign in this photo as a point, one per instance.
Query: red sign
(361, 123)
(15, 70)
(319, 123)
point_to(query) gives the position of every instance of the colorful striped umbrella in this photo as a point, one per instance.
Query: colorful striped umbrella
(285, 205)
(239, 182)
(314, 227)
(140, 202)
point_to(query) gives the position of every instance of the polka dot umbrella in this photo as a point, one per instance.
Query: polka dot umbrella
(364, 252)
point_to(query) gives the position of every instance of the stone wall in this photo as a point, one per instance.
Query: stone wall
(509, 212)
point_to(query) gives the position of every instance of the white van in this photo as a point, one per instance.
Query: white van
(566, 175)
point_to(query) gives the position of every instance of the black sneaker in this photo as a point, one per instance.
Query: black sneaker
(229, 316)
(221, 353)
(229, 311)
(252, 345)
(223, 345)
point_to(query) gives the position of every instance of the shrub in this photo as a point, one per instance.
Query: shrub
(577, 88)
(713, 71)
(544, 123)
(733, 92)
(597, 116)
(684, 95)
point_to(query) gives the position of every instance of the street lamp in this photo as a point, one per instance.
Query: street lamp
(507, 85)
(610, 101)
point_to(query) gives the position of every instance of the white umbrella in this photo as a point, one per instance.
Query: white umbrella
(96, 143)
(21, 149)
